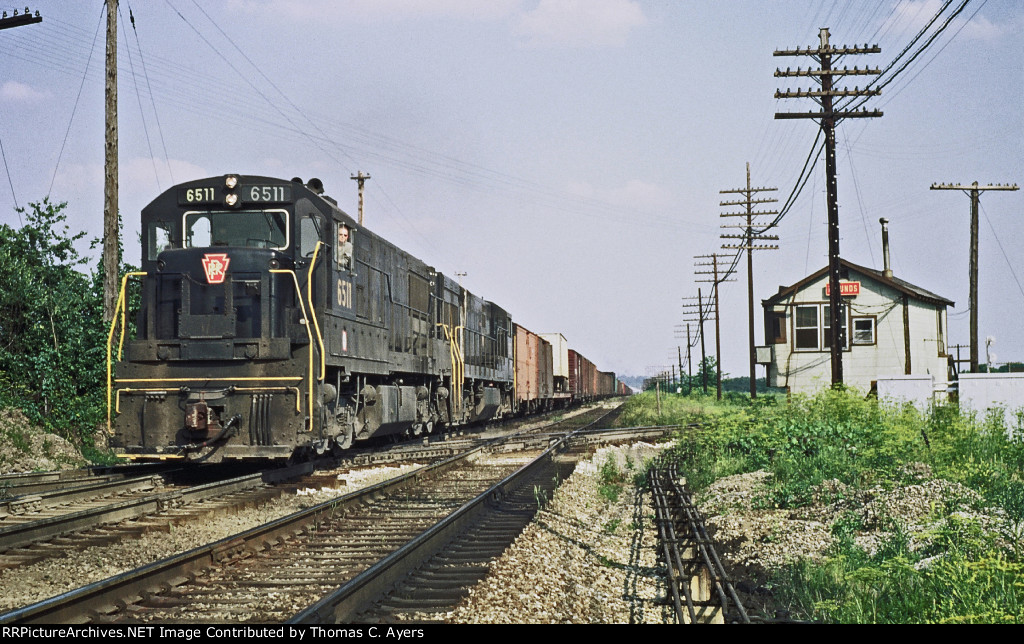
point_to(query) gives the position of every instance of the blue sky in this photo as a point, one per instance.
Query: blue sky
(566, 155)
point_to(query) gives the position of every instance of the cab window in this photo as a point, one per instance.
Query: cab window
(159, 238)
(308, 236)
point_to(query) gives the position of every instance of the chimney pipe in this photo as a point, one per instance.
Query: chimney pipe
(885, 248)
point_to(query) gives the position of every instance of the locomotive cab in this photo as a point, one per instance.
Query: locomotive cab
(224, 340)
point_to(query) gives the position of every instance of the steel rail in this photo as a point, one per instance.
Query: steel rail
(376, 581)
(23, 534)
(104, 595)
(84, 490)
(677, 514)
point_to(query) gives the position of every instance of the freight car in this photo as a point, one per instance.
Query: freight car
(533, 379)
(270, 324)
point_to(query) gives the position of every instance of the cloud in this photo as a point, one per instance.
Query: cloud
(579, 23)
(20, 92)
(320, 10)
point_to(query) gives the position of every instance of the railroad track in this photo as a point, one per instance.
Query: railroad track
(700, 590)
(90, 509)
(104, 513)
(271, 573)
(26, 483)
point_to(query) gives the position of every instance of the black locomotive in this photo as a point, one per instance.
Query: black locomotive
(270, 322)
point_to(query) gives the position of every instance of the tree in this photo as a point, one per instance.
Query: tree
(706, 369)
(52, 338)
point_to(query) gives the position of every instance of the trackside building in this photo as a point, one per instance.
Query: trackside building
(892, 328)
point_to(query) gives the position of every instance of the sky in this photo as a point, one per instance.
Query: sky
(566, 155)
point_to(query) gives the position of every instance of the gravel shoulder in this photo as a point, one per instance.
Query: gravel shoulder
(584, 559)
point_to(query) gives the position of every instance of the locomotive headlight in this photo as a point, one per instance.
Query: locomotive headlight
(230, 182)
(231, 199)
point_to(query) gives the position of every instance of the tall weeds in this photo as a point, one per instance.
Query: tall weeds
(966, 575)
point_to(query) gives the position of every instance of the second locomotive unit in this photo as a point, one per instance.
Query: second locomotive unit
(270, 322)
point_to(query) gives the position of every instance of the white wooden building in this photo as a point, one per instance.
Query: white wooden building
(891, 326)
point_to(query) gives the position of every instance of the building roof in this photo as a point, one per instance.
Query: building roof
(896, 283)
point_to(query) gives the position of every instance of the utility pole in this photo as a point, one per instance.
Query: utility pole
(716, 280)
(748, 245)
(361, 179)
(702, 314)
(975, 194)
(679, 355)
(829, 116)
(110, 206)
(689, 362)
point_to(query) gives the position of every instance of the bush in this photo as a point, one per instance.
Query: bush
(52, 352)
(964, 575)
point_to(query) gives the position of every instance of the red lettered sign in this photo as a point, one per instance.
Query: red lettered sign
(216, 266)
(845, 288)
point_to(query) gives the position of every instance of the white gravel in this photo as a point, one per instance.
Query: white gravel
(29, 584)
(584, 559)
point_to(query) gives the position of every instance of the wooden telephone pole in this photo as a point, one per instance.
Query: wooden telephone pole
(748, 245)
(361, 179)
(829, 116)
(110, 229)
(975, 193)
(702, 312)
(717, 279)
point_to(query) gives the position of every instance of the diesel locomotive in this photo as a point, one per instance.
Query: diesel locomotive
(270, 324)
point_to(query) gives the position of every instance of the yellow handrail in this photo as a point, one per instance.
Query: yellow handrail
(458, 366)
(312, 310)
(305, 318)
(120, 307)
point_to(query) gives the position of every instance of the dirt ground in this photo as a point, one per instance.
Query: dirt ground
(25, 447)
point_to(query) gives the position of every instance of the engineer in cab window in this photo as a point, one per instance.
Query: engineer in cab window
(344, 249)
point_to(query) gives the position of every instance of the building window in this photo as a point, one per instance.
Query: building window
(863, 330)
(806, 327)
(826, 323)
(775, 327)
(812, 328)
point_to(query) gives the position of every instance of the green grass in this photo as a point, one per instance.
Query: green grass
(610, 481)
(965, 575)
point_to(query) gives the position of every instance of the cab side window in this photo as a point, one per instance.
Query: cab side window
(307, 236)
(343, 249)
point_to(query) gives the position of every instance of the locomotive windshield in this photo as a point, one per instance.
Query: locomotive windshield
(245, 228)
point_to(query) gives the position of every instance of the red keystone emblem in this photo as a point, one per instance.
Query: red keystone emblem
(216, 266)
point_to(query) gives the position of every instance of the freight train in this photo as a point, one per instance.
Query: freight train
(270, 325)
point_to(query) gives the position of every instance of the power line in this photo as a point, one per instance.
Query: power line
(152, 99)
(74, 108)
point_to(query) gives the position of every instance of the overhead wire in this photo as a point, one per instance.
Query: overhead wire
(1002, 250)
(936, 55)
(17, 208)
(152, 98)
(816, 149)
(78, 97)
(138, 95)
